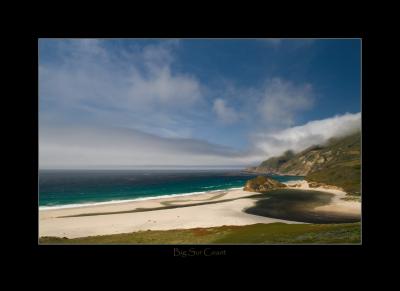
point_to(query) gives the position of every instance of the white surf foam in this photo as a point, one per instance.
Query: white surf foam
(132, 200)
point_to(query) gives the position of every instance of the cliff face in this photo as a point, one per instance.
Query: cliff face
(262, 184)
(336, 163)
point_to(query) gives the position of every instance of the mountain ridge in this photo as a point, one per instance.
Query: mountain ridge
(337, 162)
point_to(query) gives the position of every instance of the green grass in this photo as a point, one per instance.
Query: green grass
(344, 176)
(275, 233)
(294, 233)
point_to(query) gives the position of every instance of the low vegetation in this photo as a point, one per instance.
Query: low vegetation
(275, 233)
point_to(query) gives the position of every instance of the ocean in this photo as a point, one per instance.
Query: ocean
(67, 188)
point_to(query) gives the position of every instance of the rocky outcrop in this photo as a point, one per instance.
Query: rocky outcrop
(262, 184)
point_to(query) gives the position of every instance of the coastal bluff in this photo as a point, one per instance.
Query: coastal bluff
(336, 162)
(262, 184)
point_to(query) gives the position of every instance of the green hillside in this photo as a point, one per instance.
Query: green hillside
(344, 170)
(335, 163)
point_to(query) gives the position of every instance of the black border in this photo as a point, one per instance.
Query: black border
(273, 252)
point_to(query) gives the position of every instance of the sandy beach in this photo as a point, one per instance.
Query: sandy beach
(210, 209)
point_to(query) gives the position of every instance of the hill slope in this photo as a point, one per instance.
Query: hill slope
(335, 163)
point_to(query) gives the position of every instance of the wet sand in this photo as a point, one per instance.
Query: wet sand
(300, 205)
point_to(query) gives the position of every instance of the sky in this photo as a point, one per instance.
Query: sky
(137, 103)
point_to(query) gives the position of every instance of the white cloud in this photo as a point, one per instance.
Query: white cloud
(92, 82)
(164, 89)
(312, 133)
(282, 100)
(224, 113)
(273, 106)
(159, 56)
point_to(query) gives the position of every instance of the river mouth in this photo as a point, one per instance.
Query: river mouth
(298, 205)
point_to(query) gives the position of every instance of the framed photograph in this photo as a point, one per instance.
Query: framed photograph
(199, 144)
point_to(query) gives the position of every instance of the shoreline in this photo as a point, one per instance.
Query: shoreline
(193, 210)
(90, 204)
(224, 208)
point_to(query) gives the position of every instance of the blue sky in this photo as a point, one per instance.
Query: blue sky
(192, 101)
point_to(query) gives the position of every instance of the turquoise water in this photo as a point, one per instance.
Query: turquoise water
(61, 188)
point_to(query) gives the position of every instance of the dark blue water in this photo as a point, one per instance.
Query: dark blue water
(62, 187)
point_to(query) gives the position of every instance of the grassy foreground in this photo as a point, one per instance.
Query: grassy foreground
(255, 233)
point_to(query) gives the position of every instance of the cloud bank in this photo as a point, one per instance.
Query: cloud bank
(300, 137)
(86, 147)
(91, 147)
